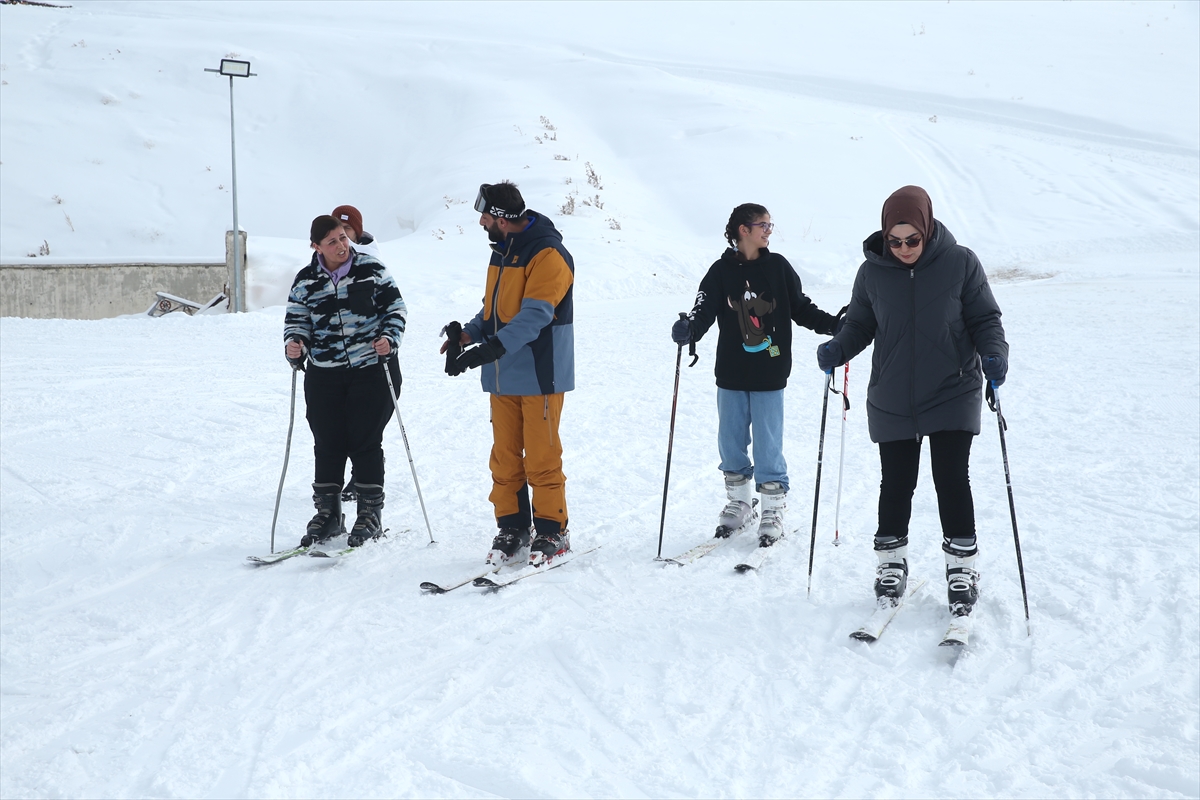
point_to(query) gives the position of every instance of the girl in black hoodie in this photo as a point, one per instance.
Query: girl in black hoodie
(754, 296)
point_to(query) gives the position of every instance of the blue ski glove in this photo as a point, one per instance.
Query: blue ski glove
(477, 356)
(995, 368)
(681, 332)
(829, 356)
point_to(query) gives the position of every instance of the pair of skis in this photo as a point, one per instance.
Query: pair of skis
(497, 576)
(753, 562)
(958, 635)
(313, 551)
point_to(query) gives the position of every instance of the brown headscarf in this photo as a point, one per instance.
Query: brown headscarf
(909, 205)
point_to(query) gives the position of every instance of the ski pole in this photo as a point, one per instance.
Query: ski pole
(662, 522)
(407, 449)
(994, 403)
(817, 493)
(837, 508)
(287, 452)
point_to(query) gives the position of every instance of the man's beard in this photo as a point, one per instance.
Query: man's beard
(495, 234)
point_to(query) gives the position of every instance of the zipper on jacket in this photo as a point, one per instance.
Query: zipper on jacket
(912, 384)
(496, 311)
(337, 299)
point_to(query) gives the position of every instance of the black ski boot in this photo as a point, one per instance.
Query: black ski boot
(547, 546)
(328, 521)
(509, 542)
(962, 583)
(369, 524)
(891, 576)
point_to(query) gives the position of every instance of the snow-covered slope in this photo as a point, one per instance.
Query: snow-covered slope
(139, 458)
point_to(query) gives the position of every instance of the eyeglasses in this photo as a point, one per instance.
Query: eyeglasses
(766, 226)
(911, 241)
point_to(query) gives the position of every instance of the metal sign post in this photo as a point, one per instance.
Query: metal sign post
(235, 69)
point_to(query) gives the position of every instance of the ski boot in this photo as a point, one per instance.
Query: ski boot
(891, 576)
(739, 511)
(369, 524)
(774, 503)
(328, 521)
(547, 546)
(962, 581)
(507, 545)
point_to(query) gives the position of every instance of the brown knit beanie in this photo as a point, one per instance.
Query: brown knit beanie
(909, 205)
(350, 216)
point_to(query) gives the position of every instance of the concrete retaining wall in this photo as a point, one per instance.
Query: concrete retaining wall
(97, 291)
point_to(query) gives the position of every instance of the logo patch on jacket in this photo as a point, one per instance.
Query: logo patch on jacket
(752, 311)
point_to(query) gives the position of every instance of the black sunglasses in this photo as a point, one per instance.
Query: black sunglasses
(911, 241)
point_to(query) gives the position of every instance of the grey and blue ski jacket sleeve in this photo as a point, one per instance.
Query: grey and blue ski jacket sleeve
(338, 323)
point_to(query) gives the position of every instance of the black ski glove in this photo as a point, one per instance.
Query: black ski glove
(485, 353)
(829, 356)
(681, 331)
(995, 369)
(453, 334)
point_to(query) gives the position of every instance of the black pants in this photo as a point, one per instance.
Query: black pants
(950, 454)
(347, 412)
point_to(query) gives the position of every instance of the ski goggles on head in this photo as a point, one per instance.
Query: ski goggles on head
(484, 205)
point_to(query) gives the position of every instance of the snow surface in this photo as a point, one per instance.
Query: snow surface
(139, 656)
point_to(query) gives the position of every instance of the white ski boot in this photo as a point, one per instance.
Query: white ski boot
(774, 503)
(962, 583)
(739, 511)
(891, 576)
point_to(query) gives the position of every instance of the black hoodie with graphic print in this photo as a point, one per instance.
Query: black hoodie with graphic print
(754, 304)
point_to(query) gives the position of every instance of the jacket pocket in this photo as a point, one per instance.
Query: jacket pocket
(362, 298)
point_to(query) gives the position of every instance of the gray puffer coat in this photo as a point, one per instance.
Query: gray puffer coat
(930, 323)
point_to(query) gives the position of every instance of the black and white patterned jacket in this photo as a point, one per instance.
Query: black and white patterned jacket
(338, 323)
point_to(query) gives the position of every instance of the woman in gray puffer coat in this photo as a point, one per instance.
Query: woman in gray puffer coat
(925, 302)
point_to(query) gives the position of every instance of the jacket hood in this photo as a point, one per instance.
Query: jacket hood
(734, 258)
(875, 251)
(540, 228)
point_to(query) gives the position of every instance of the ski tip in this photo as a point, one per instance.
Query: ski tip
(740, 568)
(432, 588)
(863, 636)
(486, 583)
(319, 554)
(952, 643)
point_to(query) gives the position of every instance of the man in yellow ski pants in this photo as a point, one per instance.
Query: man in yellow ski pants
(524, 340)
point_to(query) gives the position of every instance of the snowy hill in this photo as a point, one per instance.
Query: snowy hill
(139, 458)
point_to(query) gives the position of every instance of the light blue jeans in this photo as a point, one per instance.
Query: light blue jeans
(739, 414)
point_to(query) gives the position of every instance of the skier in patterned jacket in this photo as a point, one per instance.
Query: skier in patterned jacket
(344, 318)
(525, 342)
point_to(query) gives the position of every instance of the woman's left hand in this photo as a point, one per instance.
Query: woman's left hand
(383, 346)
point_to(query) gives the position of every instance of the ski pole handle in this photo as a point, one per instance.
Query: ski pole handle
(691, 345)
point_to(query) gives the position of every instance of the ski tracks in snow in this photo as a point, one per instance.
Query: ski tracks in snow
(140, 657)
